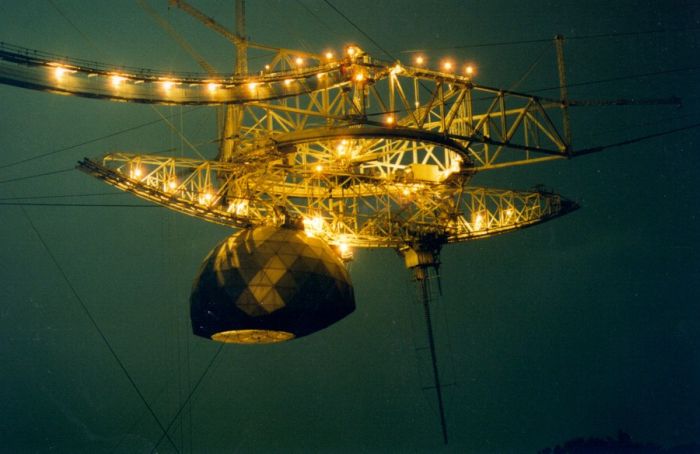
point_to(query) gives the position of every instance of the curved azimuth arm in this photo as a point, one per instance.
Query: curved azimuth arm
(360, 207)
(35, 70)
(491, 128)
(356, 150)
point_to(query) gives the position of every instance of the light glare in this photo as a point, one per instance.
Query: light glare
(59, 72)
(117, 80)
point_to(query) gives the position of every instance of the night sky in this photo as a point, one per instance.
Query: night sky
(575, 328)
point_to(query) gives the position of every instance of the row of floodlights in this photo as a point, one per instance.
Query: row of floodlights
(117, 80)
(447, 66)
(313, 226)
(419, 60)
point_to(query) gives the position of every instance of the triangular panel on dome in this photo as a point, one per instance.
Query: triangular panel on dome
(294, 247)
(272, 301)
(248, 303)
(263, 254)
(261, 235)
(275, 262)
(274, 274)
(260, 278)
(260, 292)
(287, 280)
(287, 293)
(306, 264)
(287, 259)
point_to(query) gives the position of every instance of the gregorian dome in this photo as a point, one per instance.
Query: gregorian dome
(269, 284)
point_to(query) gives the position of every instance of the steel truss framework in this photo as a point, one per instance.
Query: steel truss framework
(359, 151)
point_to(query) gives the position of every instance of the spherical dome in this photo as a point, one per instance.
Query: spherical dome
(269, 284)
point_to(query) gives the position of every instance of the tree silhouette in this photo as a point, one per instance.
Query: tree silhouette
(623, 443)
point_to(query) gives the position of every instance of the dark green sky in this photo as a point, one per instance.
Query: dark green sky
(577, 327)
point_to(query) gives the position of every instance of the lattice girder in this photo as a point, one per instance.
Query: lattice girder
(497, 128)
(353, 209)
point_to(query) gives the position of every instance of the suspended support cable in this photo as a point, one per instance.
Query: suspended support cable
(178, 132)
(425, 301)
(372, 40)
(175, 35)
(636, 140)
(96, 326)
(43, 174)
(546, 40)
(619, 78)
(315, 16)
(96, 139)
(187, 400)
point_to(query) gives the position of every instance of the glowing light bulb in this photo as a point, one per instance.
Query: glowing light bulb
(318, 168)
(252, 86)
(478, 220)
(212, 87)
(317, 222)
(469, 70)
(59, 72)
(206, 198)
(359, 77)
(351, 51)
(267, 67)
(342, 147)
(389, 120)
(287, 82)
(167, 85)
(117, 80)
(299, 61)
(329, 55)
(343, 248)
(312, 226)
(320, 75)
(172, 185)
(447, 66)
(420, 60)
(136, 172)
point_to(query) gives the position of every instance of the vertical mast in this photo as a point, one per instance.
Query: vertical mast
(423, 260)
(233, 114)
(242, 45)
(563, 90)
